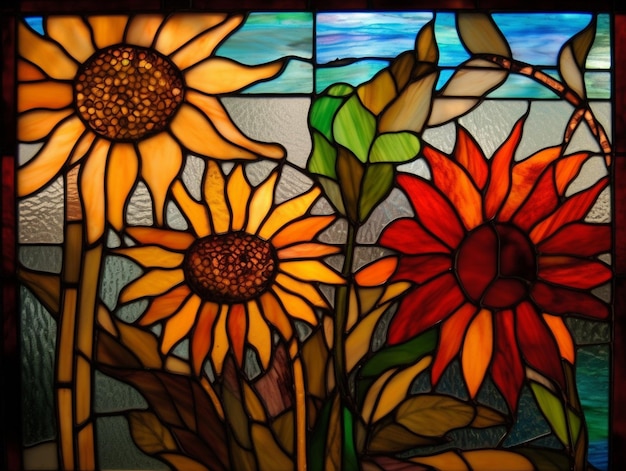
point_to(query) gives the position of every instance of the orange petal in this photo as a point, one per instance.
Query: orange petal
(122, 168)
(92, 189)
(197, 133)
(161, 161)
(165, 305)
(238, 190)
(107, 30)
(182, 27)
(237, 325)
(152, 256)
(562, 335)
(275, 315)
(47, 95)
(215, 197)
(228, 76)
(477, 351)
(73, 34)
(48, 56)
(306, 290)
(27, 72)
(303, 230)
(307, 250)
(295, 306)
(35, 125)
(220, 341)
(179, 325)
(205, 44)
(259, 334)
(142, 29)
(45, 165)
(195, 212)
(376, 273)
(287, 212)
(260, 203)
(214, 109)
(202, 337)
(311, 270)
(152, 283)
(175, 240)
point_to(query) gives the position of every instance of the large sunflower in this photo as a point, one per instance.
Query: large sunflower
(126, 95)
(499, 255)
(245, 264)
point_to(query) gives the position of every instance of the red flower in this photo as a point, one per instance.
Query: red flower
(499, 255)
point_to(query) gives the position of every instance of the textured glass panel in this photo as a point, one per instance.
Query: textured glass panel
(44, 258)
(41, 216)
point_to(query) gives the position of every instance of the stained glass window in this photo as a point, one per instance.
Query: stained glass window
(314, 240)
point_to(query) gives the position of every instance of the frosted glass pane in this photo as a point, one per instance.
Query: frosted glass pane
(41, 216)
(46, 258)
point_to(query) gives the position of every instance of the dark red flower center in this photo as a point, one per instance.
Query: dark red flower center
(230, 268)
(496, 265)
(127, 92)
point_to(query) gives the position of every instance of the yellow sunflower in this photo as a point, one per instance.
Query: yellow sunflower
(244, 265)
(128, 95)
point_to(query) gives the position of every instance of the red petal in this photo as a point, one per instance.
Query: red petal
(562, 301)
(579, 239)
(422, 268)
(471, 157)
(574, 209)
(501, 162)
(537, 344)
(574, 272)
(425, 307)
(507, 370)
(543, 199)
(433, 210)
(407, 236)
(476, 262)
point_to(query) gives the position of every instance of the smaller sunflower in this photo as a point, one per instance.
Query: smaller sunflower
(246, 265)
(499, 255)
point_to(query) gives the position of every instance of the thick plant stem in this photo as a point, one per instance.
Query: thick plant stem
(300, 410)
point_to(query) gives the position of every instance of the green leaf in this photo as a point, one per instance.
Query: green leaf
(487, 417)
(332, 191)
(544, 459)
(377, 182)
(354, 127)
(340, 90)
(480, 34)
(573, 56)
(396, 147)
(350, 173)
(400, 355)
(323, 113)
(317, 444)
(552, 410)
(349, 455)
(323, 158)
(393, 438)
(434, 415)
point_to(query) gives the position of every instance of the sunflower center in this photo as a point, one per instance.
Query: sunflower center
(231, 267)
(496, 265)
(127, 92)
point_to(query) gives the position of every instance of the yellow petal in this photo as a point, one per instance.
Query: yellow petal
(165, 305)
(50, 95)
(377, 273)
(303, 230)
(260, 203)
(152, 283)
(82, 147)
(51, 58)
(203, 335)
(152, 256)
(295, 306)
(393, 290)
(215, 198)
(359, 341)
(73, 34)
(45, 165)
(179, 325)
(259, 334)
(196, 132)
(562, 335)
(220, 341)
(195, 212)
(175, 240)
(311, 270)
(307, 250)
(214, 109)
(477, 350)
(121, 176)
(204, 45)
(306, 290)
(142, 29)
(161, 161)
(92, 189)
(27, 72)
(226, 76)
(238, 190)
(35, 125)
(287, 212)
(107, 30)
(273, 312)
(180, 28)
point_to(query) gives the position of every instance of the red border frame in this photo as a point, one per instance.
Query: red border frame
(9, 321)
